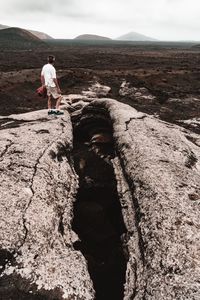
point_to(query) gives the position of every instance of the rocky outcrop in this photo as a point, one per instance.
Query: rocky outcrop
(156, 166)
(193, 124)
(97, 90)
(138, 94)
(38, 185)
(158, 179)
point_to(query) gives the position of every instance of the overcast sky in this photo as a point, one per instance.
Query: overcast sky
(161, 19)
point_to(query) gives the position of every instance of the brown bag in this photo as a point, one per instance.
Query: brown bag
(42, 91)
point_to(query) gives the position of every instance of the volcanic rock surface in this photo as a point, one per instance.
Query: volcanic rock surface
(160, 163)
(155, 169)
(38, 185)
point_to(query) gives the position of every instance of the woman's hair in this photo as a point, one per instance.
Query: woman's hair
(51, 59)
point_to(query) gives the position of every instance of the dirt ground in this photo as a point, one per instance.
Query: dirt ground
(171, 75)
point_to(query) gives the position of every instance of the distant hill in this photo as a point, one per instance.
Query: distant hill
(197, 46)
(134, 36)
(40, 35)
(3, 26)
(91, 37)
(17, 38)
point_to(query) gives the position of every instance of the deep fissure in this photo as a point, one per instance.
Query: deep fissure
(98, 219)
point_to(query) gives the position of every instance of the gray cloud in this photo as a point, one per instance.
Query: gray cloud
(46, 6)
(163, 19)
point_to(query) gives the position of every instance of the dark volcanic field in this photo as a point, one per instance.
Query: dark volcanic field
(166, 70)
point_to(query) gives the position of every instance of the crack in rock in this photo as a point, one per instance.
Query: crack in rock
(131, 119)
(161, 191)
(6, 148)
(156, 168)
(45, 206)
(32, 191)
(191, 160)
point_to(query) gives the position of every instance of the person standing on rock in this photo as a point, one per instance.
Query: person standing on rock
(49, 80)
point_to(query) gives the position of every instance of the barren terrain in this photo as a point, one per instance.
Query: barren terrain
(171, 74)
(101, 202)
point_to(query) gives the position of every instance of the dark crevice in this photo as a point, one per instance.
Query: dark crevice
(192, 139)
(191, 160)
(12, 123)
(5, 258)
(61, 226)
(138, 118)
(42, 131)
(15, 287)
(98, 218)
(6, 148)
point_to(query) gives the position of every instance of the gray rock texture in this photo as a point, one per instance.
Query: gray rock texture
(157, 168)
(137, 94)
(37, 193)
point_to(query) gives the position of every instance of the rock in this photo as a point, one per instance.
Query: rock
(187, 100)
(157, 171)
(96, 91)
(37, 194)
(101, 138)
(158, 174)
(139, 94)
(79, 105)
(73, 98)
(191, 123)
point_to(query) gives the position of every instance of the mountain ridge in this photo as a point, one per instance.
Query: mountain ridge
(39, 34)
(18, 38)
(135, 36)
(91, 37)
